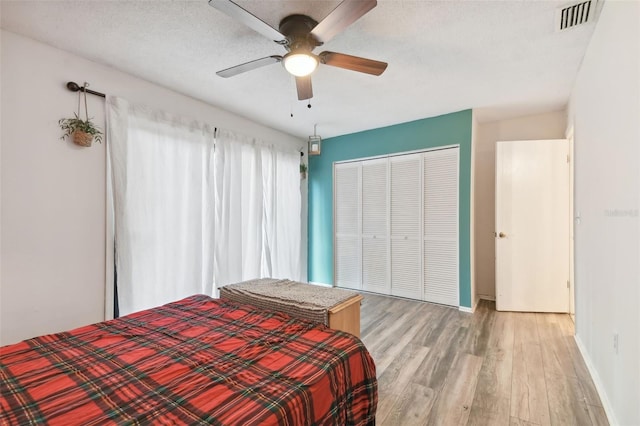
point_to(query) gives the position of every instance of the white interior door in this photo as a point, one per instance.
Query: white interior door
(532, 226)
(441, 226)
(347, 244)
(406, 225)
(375, 227)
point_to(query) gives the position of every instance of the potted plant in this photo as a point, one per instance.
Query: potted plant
(82, 132)
(303, 171)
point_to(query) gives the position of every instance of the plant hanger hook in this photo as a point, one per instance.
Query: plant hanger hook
(80, 92)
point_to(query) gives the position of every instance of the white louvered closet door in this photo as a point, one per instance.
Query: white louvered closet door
(441, 226)
(347, 216)
(406, 225)
(375, 235)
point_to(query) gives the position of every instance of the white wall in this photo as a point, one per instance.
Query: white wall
(541, 126)
(604, 111)
(53, 267)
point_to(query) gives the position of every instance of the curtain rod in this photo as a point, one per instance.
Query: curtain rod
(74, 88)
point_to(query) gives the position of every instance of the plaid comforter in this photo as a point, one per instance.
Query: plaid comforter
(195, 361)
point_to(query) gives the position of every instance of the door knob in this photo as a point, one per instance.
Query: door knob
(502, 235)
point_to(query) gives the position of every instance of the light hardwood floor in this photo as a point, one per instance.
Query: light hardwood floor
(439, 366)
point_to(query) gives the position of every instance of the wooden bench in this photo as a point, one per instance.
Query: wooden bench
(336, 308)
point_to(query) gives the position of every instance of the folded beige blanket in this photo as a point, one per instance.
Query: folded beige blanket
(300, 300)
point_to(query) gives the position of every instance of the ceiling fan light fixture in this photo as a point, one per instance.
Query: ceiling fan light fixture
(300, 63)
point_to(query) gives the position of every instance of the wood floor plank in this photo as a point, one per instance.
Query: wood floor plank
(411, 322)
(565, 324)
(373, 311)
(433, 330)
(444, 339)
(555, 355)
(502, 334)
(597, 415)
(369, 322)
(526, 328)
(384, 359)
(492, 399)
(454, 402)
(481, 417)
(519, 422)
(529, 401)
(434, 369)
(395, 380)
(398, 323)
(566, 403)
(413, 407)
(529, 398)
(380, 332)
(479, 328)
(586, 383)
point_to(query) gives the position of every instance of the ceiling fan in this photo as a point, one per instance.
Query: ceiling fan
(300, 35)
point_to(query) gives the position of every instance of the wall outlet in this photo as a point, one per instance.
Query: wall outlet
(615, 342)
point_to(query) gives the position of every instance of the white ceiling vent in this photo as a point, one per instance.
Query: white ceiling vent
(576, 14)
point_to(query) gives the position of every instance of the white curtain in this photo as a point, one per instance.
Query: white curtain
(191, 215)
(258, 207)
(283, 207)
(164, 205)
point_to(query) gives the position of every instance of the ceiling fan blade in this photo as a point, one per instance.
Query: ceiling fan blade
(248, 66)
(353, 63)
(250, 20)
(345, 14)
(303, 84)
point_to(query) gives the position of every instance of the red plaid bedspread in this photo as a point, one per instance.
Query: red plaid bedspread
(195, 361)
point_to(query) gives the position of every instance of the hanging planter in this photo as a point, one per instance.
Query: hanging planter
(82, 138)
(81, 132)
(303, 171)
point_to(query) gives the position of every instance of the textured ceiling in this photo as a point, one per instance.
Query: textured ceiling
(503, 58)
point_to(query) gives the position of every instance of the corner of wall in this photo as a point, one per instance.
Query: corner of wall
(472, 210)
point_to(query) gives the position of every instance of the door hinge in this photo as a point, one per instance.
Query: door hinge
(568, 284)
(568, 158)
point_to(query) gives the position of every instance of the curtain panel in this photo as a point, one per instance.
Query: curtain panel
(194, 211)
(258, 205)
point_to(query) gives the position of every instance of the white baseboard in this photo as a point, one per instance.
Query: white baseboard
(487, 297)
(320, 284)
(606, 404)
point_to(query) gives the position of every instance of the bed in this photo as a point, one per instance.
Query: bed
(195, 361)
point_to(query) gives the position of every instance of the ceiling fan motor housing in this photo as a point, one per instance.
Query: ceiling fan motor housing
(297, 29)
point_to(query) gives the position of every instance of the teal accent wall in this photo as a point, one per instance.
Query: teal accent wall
(449, 129)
